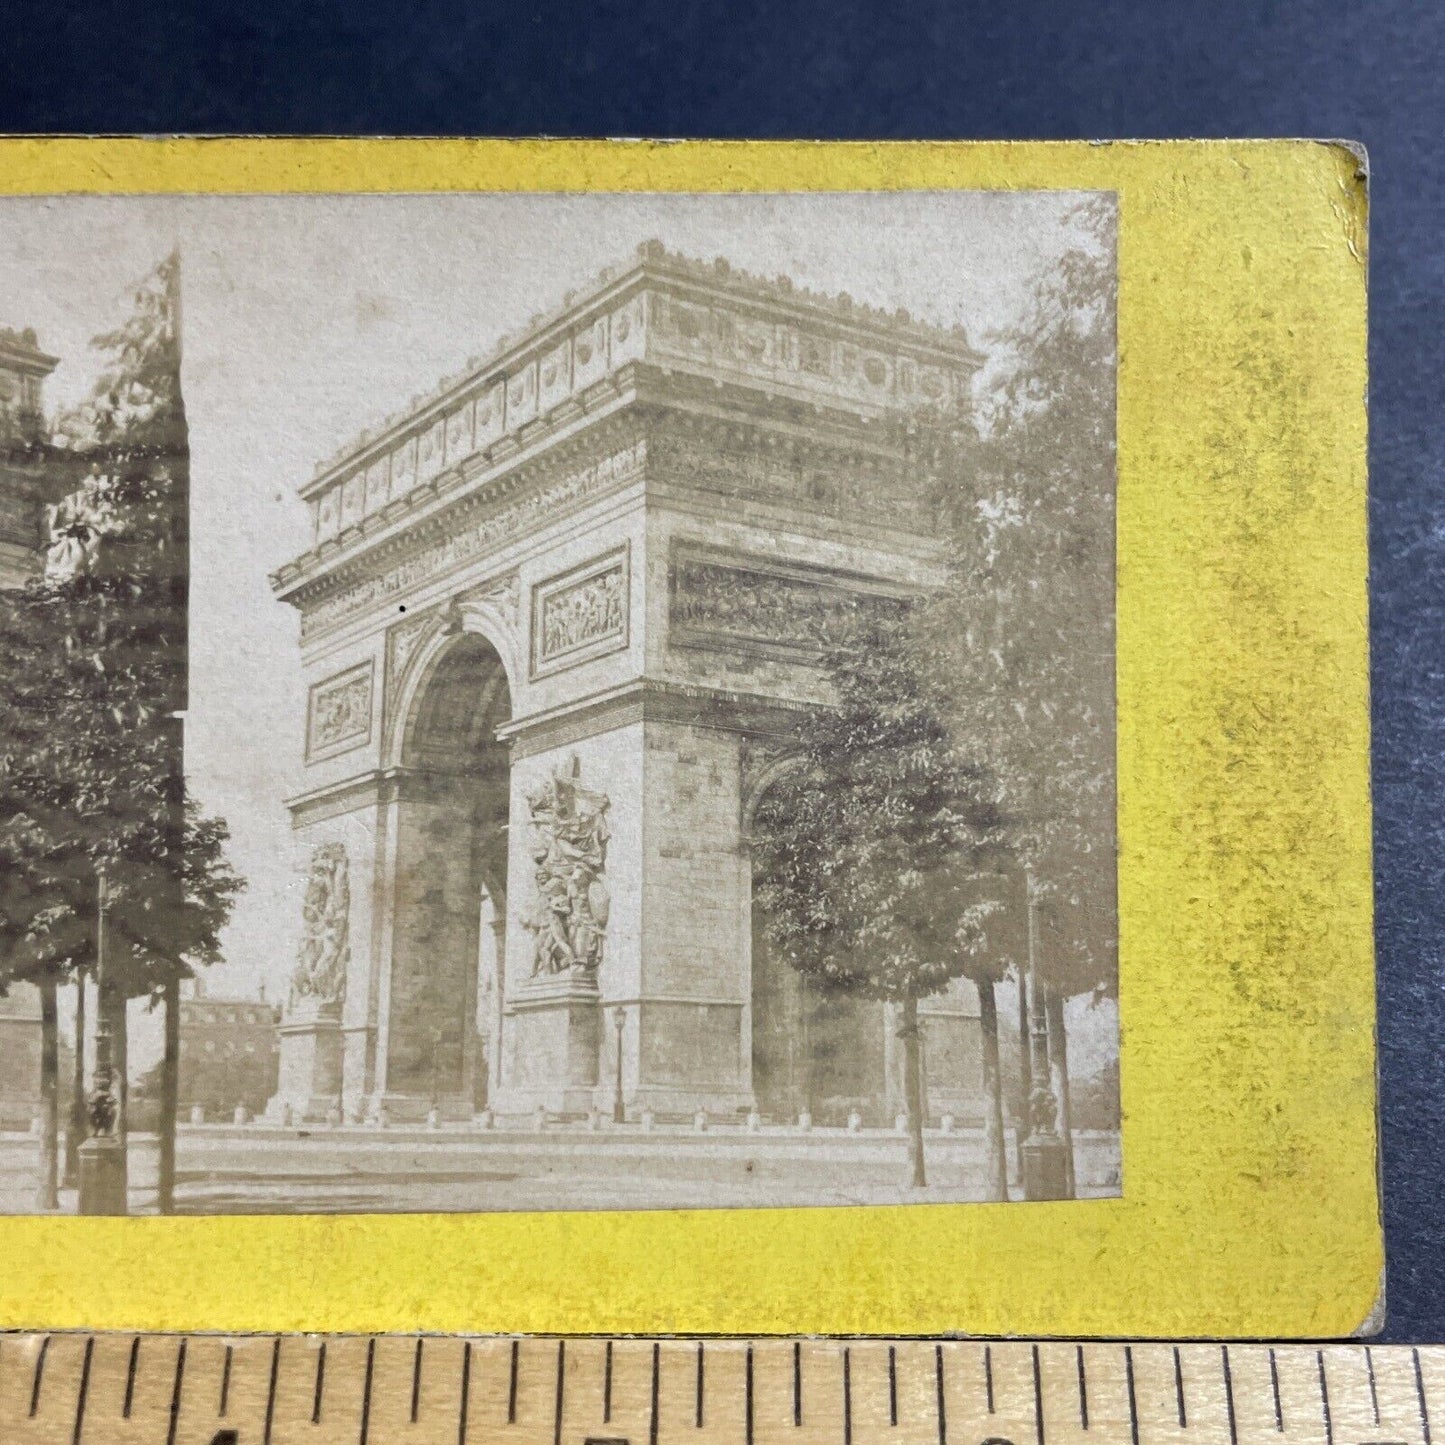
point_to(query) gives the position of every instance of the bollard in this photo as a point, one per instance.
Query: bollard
(855, 1122)
(699, 1121)
(240, 1116)
(647, 1121)
(945, 1124)
(755, 1122)
(805, 1122)
(900, 1123)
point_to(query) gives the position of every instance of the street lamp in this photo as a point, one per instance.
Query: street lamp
(619, 1022)
(102, 1156)
(1045, 1158)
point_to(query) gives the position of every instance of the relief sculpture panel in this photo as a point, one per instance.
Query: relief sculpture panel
(716, 603)
(570, 831)
(580, 615)
(339, 713)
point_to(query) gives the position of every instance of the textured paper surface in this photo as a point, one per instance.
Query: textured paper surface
(1245, 958)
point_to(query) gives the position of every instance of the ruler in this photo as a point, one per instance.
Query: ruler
(112, 1389)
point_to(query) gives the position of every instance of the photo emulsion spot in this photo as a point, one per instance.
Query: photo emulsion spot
(538, 702)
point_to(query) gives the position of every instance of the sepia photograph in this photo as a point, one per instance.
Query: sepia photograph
(541, 702)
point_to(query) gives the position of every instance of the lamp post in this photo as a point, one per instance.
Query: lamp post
(1045, 1160)
(619, 1022)
(102, 1156)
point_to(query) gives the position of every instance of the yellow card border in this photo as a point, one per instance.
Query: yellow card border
(1246, 980)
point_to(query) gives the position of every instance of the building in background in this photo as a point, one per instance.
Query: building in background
(27, 482)
(228, 1055)
(26, 485)
(19, 1057)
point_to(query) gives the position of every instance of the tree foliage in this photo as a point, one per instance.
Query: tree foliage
(869, 847)
(1023, 634)
(91, 775)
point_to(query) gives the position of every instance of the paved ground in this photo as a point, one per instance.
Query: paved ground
(253, 1169)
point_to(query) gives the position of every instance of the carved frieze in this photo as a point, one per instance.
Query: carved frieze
(580, 615)
(819, 479)
(338, 713)
(718, 602)
(476, 537)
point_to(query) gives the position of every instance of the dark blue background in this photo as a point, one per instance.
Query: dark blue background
(1370, 72)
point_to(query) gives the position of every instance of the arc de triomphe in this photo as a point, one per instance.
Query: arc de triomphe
(555, 627)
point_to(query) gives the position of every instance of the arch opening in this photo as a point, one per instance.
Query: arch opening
(815, 1050)
(448, 940)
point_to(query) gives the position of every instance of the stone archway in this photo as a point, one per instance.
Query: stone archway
(453, 788)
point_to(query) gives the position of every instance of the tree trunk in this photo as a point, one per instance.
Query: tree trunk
(1026, 1077)
(994, 1143)
(47, 1194)
(170, 1096)
(76, 1128)
(1059, 1078)
(912, 1087)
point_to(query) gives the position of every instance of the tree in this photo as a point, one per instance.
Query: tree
(869, 848)
(94, 654)
(1024, 632)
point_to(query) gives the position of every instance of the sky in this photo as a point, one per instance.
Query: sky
(306, 319)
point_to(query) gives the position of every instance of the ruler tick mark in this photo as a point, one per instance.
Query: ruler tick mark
(366, 1391)
(416, 1380)
(797, 1383)
(938, 1390)
(607, 1384)
(1420, 1396)
(561, 1382)
(1083, 1388)
(512, 1387)
(1370, 1372)
(1274, 1388)
(1133, 1403)
(39, 1376)
(319, 1385)
(847, 1397)
(1038, 1400)
(271, 1390)
(697, 1418)
(1325, 1398)
(225, 1382)
(988, 1376)
(1179, 1390)
(652, 1406)
(748, 1398)
(176, 1393)
(82, 1392)
(130, 1379)
(466, 1393)
(892, 1385)
(1229, 1394)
